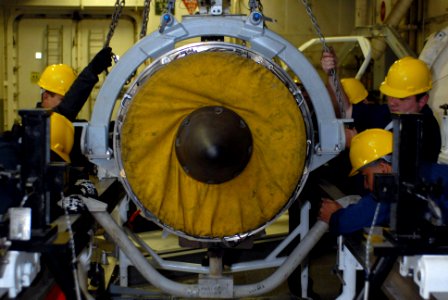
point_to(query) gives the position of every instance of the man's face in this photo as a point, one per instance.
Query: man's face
(51, 100)
(406, 105)
(370, 171)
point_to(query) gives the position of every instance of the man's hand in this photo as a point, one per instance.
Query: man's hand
(328, 62)
(102, 60)
(327, 208)
(349, 134)
(83, 187)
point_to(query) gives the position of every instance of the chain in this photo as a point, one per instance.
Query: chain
(72, 249)
(115, 17)
(315, 25)
(334, 77)
(260, 6)
(255, 5)
(170, 6)
(145, 18)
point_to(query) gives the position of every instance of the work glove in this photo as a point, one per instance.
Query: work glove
(74, 203)
(102, 60)
(85, 188)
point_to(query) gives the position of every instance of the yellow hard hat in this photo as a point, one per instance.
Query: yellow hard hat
(406, 77)
(354, 89)
(62, 134)
(368, 146)
(57, 78)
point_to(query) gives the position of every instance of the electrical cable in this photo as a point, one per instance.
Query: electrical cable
(73, 251)
(368, 246)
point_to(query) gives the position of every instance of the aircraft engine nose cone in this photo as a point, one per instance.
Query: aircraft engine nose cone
(213, 144)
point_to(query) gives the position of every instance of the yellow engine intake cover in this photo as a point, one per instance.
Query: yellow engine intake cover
(148, 136)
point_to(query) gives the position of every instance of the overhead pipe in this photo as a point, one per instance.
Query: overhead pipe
(393, 19)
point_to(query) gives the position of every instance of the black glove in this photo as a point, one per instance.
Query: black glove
(84, 188)
(101, 61)
(73, 203)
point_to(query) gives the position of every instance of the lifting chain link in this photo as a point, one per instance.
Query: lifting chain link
(255, 5)
(333, 75)
(170, 6)
(119, 4)
(145, 18)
